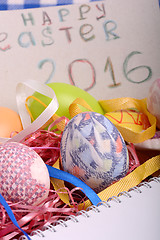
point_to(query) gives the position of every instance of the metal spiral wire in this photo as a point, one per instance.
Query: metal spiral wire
(86, 213)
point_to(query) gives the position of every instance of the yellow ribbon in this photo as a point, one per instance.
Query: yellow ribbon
(59, 184)
(79, 105)
(141, 172)
(74, 108)
(131, 180)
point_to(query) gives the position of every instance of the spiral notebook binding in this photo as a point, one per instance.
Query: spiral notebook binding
(85, 213)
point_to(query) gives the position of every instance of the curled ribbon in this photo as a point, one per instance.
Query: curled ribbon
(113, 105)
(21, 95)
(129, 135)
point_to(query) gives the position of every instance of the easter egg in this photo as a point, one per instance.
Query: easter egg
(65, 94)
(93, 150)
(153, 100)
(24, 176)
(9, 122)
(130, 119)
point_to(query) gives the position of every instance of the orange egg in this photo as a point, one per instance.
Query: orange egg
(10, 122)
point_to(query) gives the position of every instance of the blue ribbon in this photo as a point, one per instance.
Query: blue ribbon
(11, 215)
(59, 174)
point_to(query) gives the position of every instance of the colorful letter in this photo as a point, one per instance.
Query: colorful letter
(63, 13)
(82, 10)
(68, 35)
(46, 31)
(46, 19)
(83, 33)
(29, 18)
(4, 37)
(28, 39)
(102, 10)
(109, 32)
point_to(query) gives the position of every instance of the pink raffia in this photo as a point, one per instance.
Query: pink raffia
(31, 217)
(133, 158)
(46, 142)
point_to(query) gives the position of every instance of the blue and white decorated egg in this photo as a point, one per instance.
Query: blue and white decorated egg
(93, 150)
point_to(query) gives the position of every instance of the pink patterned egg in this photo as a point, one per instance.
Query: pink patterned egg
(23, 174)
(153, 100)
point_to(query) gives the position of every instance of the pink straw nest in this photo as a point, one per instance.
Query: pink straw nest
(30, 217)
(47, 144)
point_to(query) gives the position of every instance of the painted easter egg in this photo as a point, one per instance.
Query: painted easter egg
(9, 122)
(153, 100)
(130, 119)
(65, 94)
(24, 176)
(93, 150)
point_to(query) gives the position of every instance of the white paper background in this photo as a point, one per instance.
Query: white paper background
(137, 26)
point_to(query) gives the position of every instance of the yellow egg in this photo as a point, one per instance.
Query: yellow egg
(130, 119)
(9, 122)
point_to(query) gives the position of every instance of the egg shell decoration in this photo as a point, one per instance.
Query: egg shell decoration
(130, 119)
(9, 122)
(24, 176)
(93, 150)
(65, 94)
(153, 100)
